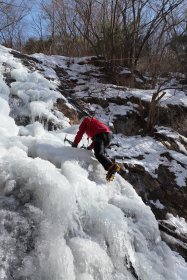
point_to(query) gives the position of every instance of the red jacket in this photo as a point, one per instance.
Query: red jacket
(90, 126)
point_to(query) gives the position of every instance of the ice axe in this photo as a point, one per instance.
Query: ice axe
(67, 140)
(71, 142)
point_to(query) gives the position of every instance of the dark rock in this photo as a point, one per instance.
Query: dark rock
(183, 81)
(70, 113)
(129, 124)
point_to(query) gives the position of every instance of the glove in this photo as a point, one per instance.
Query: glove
(74, 145)
(90, 147)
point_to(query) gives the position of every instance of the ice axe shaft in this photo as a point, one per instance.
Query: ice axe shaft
(71, 142)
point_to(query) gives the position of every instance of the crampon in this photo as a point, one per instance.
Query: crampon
(112, 171)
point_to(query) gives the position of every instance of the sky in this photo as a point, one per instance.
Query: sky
(34, 12)
(73, 224)
(29, 18)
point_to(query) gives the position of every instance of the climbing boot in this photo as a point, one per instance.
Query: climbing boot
(115, 167)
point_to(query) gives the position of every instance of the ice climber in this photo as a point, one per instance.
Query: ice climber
(101, 137)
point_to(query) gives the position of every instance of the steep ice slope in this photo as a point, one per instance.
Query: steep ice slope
(60, 223)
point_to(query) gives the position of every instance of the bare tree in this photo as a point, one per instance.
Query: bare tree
(143, 19)
(126, 32)
(12, 13)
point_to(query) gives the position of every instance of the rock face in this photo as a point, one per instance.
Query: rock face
(163, 188)
(68, 111)
(174, 117)
(165, 185)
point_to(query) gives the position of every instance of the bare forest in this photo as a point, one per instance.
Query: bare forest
(143, 35)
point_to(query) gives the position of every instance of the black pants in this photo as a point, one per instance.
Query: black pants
(101, 141)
